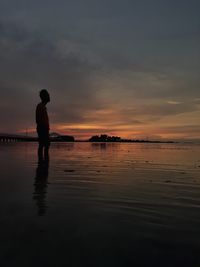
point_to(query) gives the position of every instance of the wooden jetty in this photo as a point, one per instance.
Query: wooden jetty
(6, 138)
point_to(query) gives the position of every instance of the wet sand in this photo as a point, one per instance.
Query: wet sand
(100, 205)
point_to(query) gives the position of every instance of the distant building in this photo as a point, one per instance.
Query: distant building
(67, 138)
(55, 137)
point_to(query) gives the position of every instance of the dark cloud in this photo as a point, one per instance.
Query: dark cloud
(29, 63)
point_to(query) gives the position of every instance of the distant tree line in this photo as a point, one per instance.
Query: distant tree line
(107, 138)
(104, 138)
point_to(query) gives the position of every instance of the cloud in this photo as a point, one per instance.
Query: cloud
(171, 102)
(28, 63)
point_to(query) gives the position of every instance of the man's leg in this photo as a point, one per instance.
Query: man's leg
(46, 153)
(40, 152)
(46, 147)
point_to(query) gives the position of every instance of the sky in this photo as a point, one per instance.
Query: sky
(128, 68)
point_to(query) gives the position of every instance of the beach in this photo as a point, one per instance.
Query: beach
(100, 204)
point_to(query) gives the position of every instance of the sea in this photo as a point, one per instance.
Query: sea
(100, 205)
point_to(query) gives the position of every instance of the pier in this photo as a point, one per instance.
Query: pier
(7, 138)
(54, 137)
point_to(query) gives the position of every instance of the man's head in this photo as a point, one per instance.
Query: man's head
(44, 95)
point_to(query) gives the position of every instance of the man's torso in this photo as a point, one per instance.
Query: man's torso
(42, 119)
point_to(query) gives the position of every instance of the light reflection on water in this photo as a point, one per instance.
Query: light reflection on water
(97, 204)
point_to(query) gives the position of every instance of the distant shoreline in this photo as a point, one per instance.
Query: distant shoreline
(32, 140)
(11, 138)
(127, 141)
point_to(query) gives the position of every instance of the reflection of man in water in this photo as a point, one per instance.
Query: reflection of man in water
(42, 121)
(40, 187)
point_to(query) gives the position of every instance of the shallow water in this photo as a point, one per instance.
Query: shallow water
(100, 205)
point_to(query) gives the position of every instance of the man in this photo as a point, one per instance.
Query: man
(42, 121)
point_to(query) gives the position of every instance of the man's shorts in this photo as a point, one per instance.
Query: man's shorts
(43, 137)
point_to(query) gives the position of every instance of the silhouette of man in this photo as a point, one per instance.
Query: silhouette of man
(42, 121)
